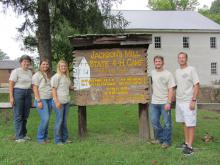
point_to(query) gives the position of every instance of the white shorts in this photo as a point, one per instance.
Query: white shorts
(185, 115)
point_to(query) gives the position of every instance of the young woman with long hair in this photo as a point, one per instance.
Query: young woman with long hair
(61, 85)
(43, 98)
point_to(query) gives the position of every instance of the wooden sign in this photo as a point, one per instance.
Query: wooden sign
(110, 76)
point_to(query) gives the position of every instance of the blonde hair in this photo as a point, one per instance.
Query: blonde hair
(58, 67)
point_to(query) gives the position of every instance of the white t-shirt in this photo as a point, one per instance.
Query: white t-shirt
(43, 84)
(185, 79)
(62, 84)
(22, 78)
(162, 81)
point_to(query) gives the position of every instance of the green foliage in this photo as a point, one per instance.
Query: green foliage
(30, 43)
(61, 47)
(213, 13)
(213, 16)
(112, 139)
(173, 4)
(161, 5)
(215, 7)
(3, 55)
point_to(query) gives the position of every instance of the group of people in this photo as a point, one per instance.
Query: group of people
(186, 83)
(49, 92)
(53, 92)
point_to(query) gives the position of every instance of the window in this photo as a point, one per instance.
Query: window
(212, 42)
(157, 42)
(185, 42)
(214, 68)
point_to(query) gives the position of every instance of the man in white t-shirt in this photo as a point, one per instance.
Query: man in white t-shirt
(186, 93)
(162, 84)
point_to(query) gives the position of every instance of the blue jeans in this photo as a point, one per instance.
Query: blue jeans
(163, 134)
(21, 109)
(60, 130)
(42, 133)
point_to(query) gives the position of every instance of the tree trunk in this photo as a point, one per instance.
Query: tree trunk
(43, 32)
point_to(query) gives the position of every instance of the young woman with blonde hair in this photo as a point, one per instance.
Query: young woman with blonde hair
(43, 98)
(61, 85)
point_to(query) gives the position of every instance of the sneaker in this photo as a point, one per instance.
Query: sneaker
(188, 151)
(155, 142)
(68, 142)
(182, 146)
(60, 144)
(20, 140)
(165, 145)
(27, 138)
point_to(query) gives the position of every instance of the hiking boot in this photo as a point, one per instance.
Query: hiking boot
(182, 146)
(188, 151)
(165, 145)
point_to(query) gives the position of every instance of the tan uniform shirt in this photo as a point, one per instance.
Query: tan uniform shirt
(186, 78)
(43, 83)
(62, 84)
(22, 78)
(162, 81)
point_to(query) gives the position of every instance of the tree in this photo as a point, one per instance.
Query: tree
(43, 17)
(215, 7)
(173, 4)
(3, 55)
(213, 13)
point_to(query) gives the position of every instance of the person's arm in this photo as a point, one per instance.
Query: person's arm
(196, 88)
(55, 98)
(37, 96)
(169, 101)
(11, 92)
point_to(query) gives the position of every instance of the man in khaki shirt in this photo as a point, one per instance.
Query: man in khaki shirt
(163, 83)
(186, 93)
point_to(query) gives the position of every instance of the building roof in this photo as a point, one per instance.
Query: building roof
(9, 64)
(167, 20)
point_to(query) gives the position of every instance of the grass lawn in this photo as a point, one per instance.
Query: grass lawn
(112, 139)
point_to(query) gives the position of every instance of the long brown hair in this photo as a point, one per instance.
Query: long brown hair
(48, 72)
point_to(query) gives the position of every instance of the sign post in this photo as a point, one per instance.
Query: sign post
(111, 69)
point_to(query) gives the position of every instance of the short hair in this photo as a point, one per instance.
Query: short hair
(159, 57)
(184, 54)
(25, 57)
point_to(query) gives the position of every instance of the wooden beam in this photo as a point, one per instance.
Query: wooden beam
(144, 128)
(82, 121)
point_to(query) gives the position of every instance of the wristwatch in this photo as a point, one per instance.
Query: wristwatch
(38, 101)
(194, 99)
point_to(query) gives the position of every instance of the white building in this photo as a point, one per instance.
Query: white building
(176, 31)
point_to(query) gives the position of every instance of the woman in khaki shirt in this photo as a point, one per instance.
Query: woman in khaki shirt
(43, 98)
(61, 85)
(20, 97)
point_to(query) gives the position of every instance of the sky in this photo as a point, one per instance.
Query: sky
(12, 46)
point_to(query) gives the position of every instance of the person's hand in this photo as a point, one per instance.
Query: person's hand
(72, 87)
(40, 105)
(12, 102)
(58, 105)
(192, 105)
(167, 107)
